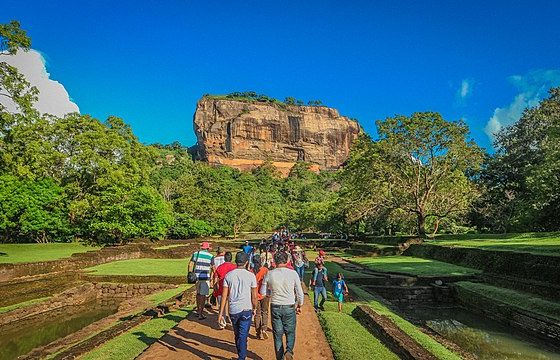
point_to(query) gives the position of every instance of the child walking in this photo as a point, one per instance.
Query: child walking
(339, 290)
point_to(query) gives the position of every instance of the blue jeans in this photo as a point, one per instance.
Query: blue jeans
(319, 290)
(241, 324)
(300, 270)
(283, 322)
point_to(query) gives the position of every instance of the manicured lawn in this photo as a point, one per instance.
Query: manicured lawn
(22, 304)
(518, 299)
(143, 267)
(537, 243)
(133, 342)
(427, 342)
(413, 266)
(348, 339)
(18, 253)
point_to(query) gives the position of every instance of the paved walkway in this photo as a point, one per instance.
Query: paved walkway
(194, 339)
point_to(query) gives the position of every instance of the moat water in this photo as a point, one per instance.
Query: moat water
(21, 337)
(483, 337)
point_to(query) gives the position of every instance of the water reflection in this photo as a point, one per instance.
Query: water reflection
(21, 337)
(487, 339)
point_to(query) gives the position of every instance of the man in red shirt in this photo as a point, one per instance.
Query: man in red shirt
(219, 276)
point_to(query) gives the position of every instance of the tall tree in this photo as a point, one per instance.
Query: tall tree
(419, 165)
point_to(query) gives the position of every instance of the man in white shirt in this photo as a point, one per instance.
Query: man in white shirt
(286, 298)
(240, 288)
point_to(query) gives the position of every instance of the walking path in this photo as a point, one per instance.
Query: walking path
(194, 339)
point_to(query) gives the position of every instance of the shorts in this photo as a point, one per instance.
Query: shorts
(203, 287)
(339, 297)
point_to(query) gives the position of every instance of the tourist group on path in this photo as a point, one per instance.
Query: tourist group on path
(259, 283)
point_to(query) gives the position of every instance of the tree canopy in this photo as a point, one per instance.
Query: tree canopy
(77, 177)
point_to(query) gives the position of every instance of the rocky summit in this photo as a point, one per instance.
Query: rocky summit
(244, 134)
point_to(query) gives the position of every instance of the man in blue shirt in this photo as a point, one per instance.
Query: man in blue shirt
(319, 280)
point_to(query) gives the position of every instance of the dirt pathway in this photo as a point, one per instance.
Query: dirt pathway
(193, 339)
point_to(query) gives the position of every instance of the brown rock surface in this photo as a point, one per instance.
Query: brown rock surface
(244, 134)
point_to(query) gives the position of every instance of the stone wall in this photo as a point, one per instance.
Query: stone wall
(391, 335)
(531, 323)
(23, 289)
(75, 296)
(112, 290)
(414, 296)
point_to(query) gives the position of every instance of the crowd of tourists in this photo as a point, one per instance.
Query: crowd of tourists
(261, 279)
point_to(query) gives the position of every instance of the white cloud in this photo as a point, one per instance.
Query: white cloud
(532, 87)
(464, 91)
(53, 97)
(465, 88)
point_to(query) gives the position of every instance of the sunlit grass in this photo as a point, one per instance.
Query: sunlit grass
(19, 253)
(143, 267)
(537, 243)
(133, 342)
(413, 266)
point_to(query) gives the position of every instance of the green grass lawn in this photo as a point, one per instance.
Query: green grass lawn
(164, 295)
(133, 342)
(537, 243)
(518, 299)
(361, 344)
(413, 266)
(142, 267)
(18, 253)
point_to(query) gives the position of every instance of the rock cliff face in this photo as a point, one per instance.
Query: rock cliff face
(245, 134)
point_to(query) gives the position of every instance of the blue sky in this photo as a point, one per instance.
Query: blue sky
(150, 61)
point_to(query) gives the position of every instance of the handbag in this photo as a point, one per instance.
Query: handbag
(191, 276)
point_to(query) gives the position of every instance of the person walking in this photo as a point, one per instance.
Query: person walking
(286, 298)
(319, 281)
(339, 290)
(201, 264)
(299, 260)
(240, 289)
(263, 304)
(219, 258)
(219, 277)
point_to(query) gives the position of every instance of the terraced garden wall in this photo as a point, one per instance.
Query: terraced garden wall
(92, 258)
(529, 322)
(507, 263)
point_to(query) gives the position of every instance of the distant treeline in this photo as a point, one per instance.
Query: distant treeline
(253, 96)
(77, 177)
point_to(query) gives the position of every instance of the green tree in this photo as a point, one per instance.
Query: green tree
(520, 182)
(32, 210)
(419, 165)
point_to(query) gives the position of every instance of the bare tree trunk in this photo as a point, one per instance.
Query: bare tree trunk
(436, 227)
(421, 224)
